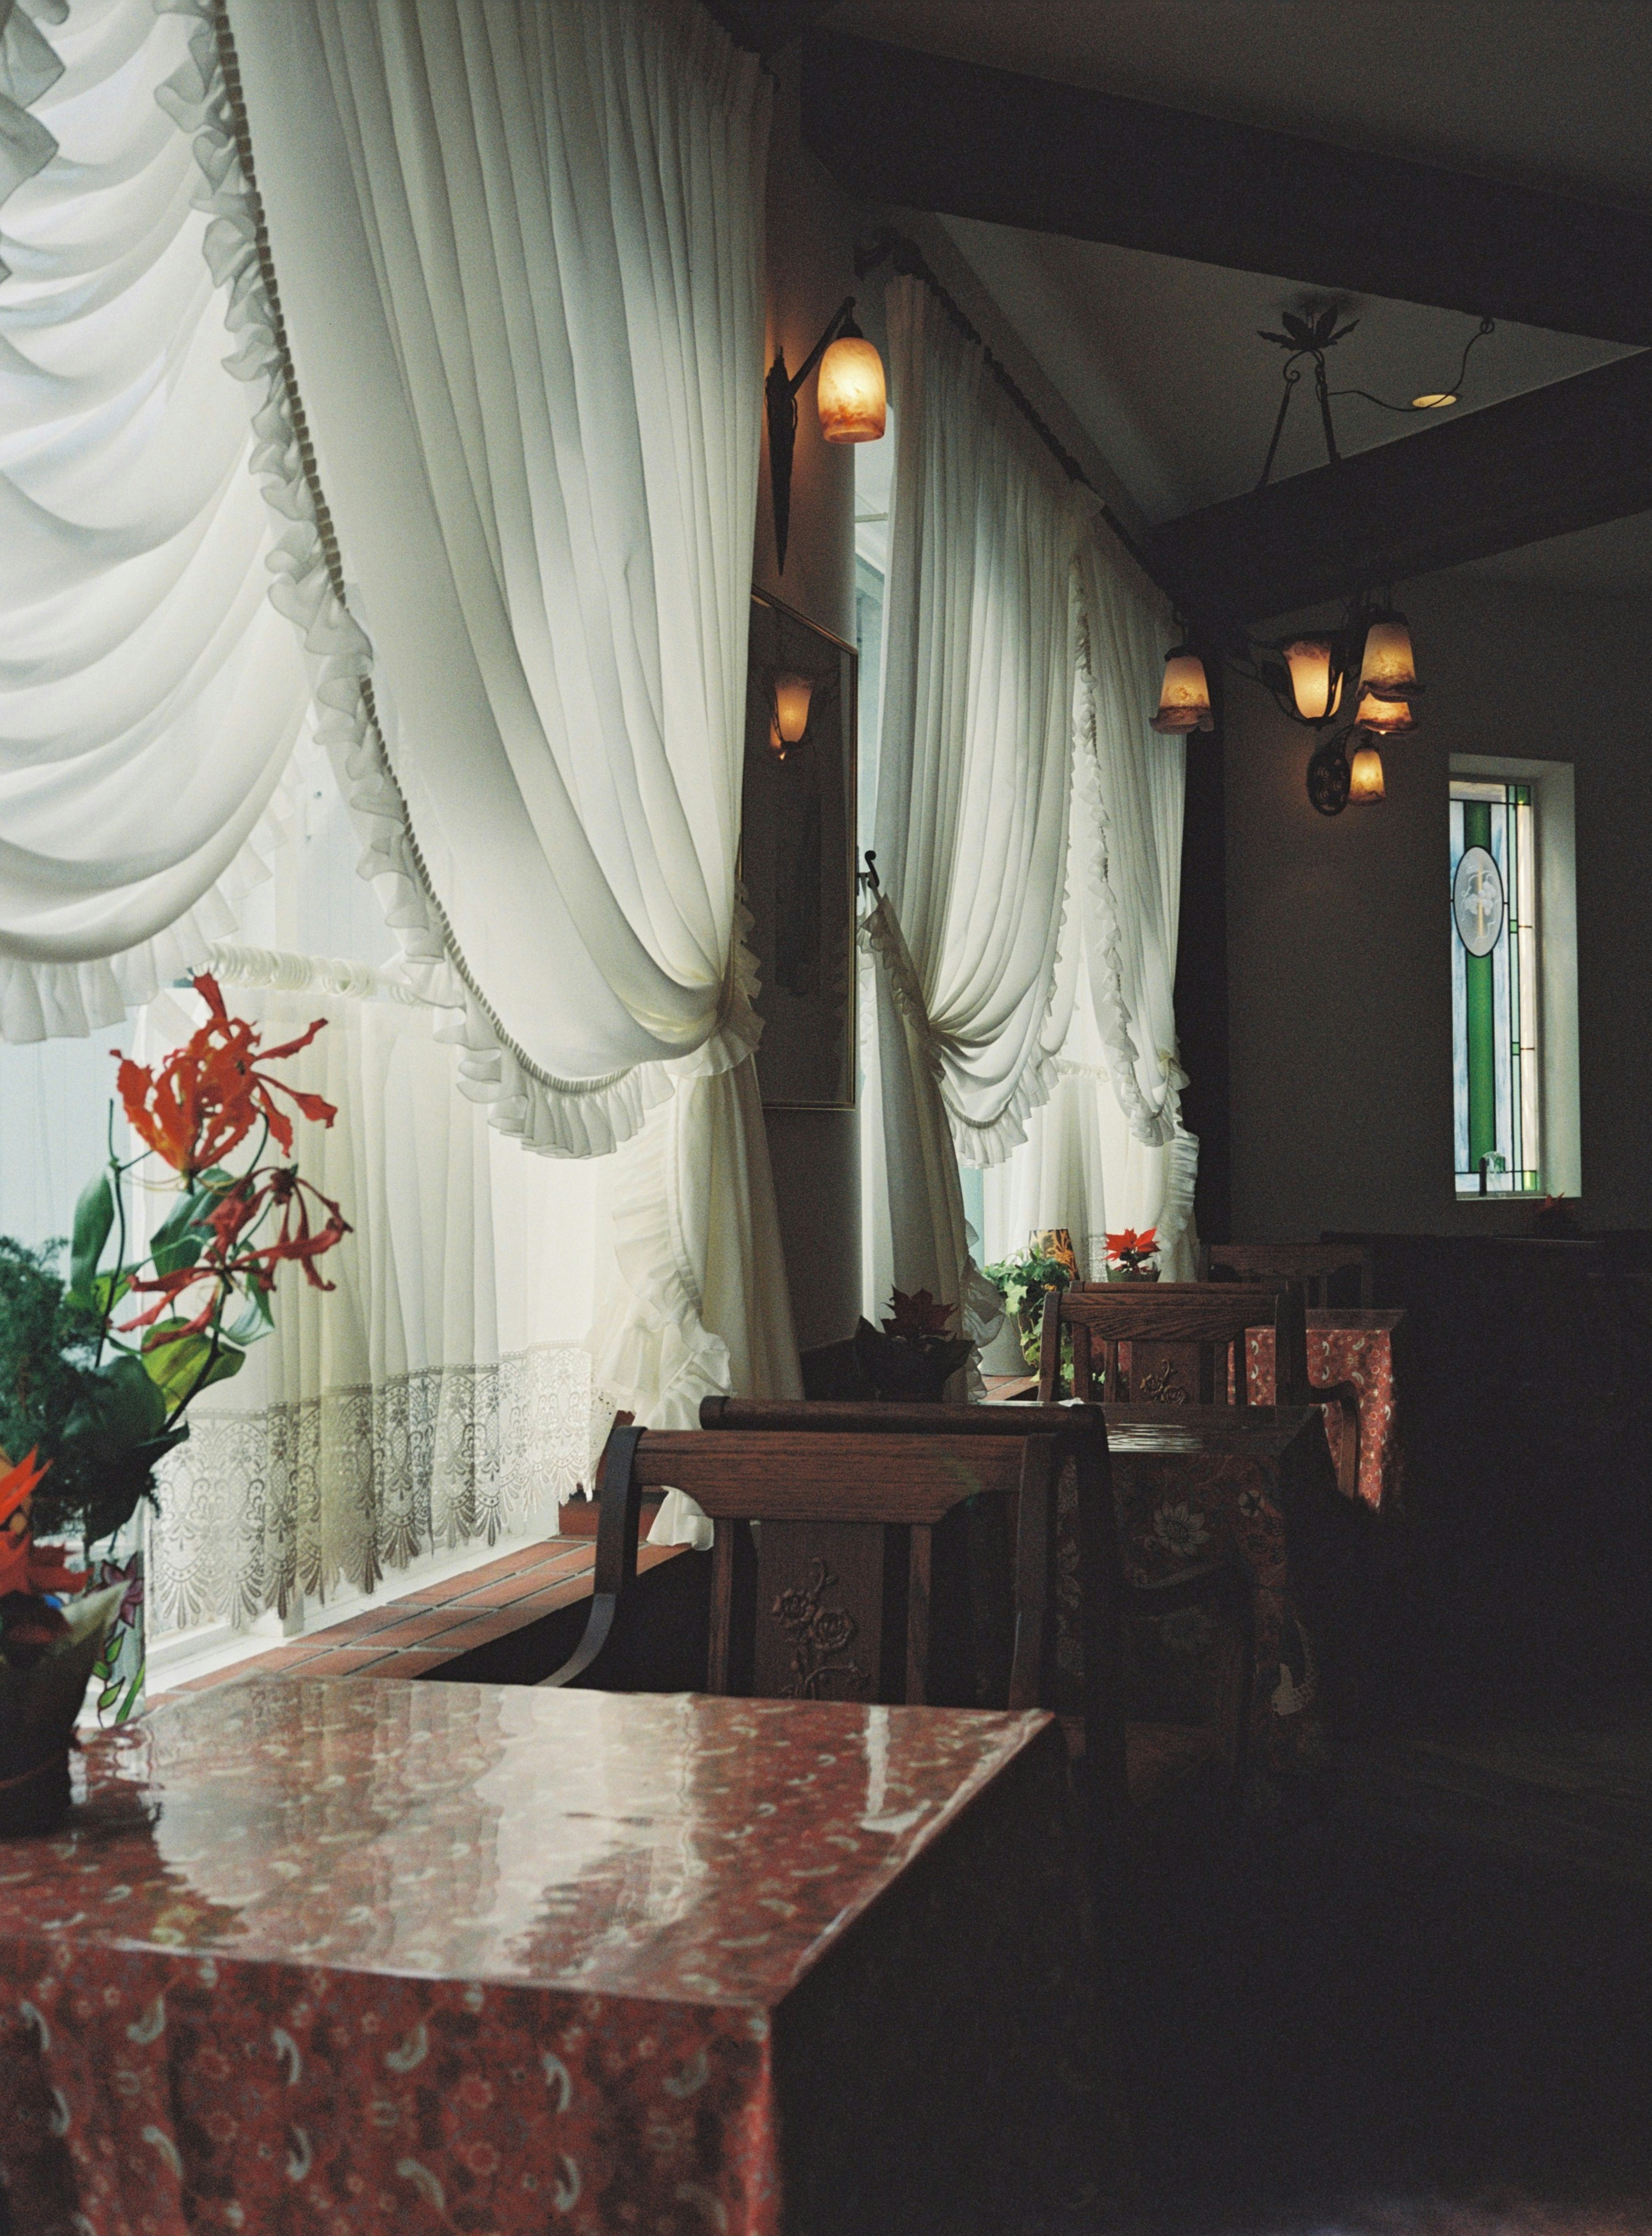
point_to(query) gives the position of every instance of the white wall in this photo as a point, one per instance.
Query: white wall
(1338, 936)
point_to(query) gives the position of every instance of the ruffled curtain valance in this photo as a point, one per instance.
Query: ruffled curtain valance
(151, 696)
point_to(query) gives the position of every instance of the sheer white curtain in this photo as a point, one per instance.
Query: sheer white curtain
(518, 254)
(152, 694)
(1109, 1150)
(974, 763)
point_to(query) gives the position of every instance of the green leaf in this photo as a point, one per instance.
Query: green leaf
(181, 1236)
(93, 1217)
(257, 1320)
(177, 1364)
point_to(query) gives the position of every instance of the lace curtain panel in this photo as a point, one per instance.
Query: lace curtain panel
(351, 1486)
(443, 1394)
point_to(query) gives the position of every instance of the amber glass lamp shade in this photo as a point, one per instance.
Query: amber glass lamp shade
(1365, 774)
(1383, 718)
(850, 392)
(1184, 696)
(792, 695)
(1388, 670)
(1309, 661)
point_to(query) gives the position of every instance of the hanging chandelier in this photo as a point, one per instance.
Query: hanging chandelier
(1367, 664)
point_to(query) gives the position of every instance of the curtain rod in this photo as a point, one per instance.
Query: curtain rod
(904, 255)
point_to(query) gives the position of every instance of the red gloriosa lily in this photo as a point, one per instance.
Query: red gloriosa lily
(24, 1565)
(194, 1106)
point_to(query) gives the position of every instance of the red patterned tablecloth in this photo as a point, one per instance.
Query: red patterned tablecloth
(1356, 1346)
(1190, 1484)
(347, 1958)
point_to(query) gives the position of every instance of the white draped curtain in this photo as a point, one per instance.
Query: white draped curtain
(1108, 1150)
(152, 694)
(488, 540)
(519, 250)
(971, 822)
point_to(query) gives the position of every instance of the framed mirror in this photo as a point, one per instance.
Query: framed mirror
(797, 855)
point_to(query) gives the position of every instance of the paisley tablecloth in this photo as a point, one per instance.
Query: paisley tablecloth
(1356, 1346)
(349, 1958)
(1191, 1484)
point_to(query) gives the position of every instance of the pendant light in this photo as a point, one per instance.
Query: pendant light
(1316, 679)
(1388, 678)
(1365, 774)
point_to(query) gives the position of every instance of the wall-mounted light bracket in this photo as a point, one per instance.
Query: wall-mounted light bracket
(780, 389)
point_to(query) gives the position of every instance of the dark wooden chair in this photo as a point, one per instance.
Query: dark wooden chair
(1312, 1266)
(1132, 1766)
(1187, 1347)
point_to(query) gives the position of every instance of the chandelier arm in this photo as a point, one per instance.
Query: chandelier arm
(1487, 326)
(1292, 376)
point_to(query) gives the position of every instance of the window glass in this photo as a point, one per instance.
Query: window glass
(1496, 1077)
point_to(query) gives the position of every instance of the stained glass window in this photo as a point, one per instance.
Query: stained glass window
(1496, 1071)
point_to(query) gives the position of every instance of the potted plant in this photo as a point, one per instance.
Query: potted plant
(1130, 1256)
(98, 1369)
(914, 1357)
(1047, 1263)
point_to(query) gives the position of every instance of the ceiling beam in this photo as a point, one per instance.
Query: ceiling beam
(1570, 456)
(895, 125)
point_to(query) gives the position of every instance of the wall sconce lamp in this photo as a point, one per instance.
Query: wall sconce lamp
(1184, 696)
(850, 397)
(788, 712)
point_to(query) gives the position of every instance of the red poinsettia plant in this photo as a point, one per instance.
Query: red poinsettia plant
(1133, 1251)
(97, 1374)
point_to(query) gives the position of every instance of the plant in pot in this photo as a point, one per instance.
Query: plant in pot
(1048, 1263)
(97, 1371)
(1131, 1257)
(914, 1357)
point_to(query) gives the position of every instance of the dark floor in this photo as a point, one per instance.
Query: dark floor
(1429, 2009)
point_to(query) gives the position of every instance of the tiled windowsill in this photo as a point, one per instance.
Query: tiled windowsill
(423, 1631)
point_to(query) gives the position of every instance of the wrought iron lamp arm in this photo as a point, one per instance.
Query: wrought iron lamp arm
(780, 390)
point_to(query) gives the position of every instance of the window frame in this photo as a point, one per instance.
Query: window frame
(1546, 906)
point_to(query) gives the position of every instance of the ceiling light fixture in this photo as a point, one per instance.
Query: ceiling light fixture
(1308, 334)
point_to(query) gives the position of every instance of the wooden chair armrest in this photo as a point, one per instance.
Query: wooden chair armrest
(619, 1512)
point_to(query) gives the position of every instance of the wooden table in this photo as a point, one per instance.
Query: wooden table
(1348, 1344)
(1191, 1482)
(377, 1956)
